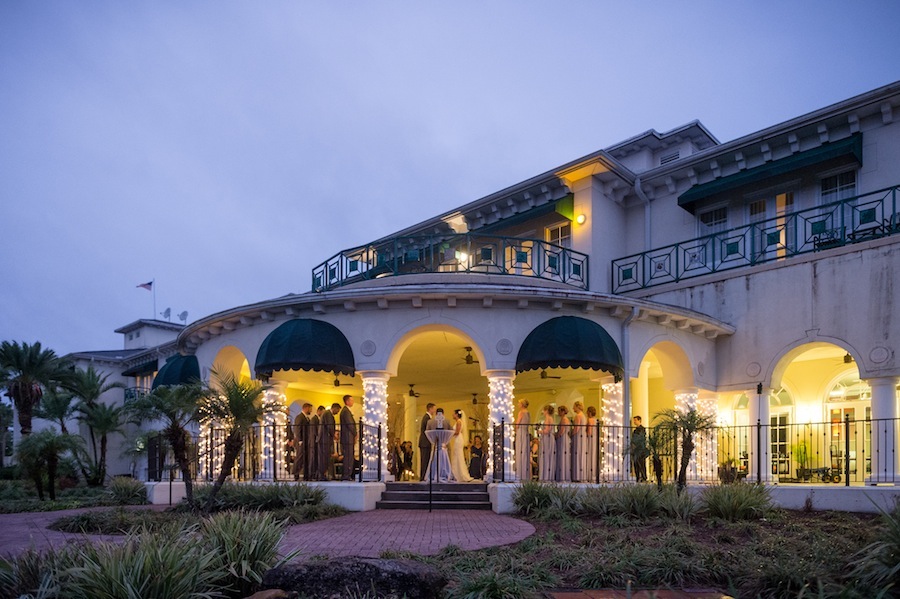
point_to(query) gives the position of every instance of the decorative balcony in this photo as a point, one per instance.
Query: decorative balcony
(466, 253)
(852, 220)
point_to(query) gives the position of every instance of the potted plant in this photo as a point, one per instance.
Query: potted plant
(801, 455)
(728, 471)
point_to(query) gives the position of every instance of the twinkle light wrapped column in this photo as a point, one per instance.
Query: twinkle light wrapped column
(274, 442)
(375, 404)
(707, 443)
(613, 431)
(501, 399)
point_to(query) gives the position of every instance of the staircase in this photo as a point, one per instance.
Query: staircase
(445, 496)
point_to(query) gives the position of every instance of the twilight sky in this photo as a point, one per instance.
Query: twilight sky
(224, 149)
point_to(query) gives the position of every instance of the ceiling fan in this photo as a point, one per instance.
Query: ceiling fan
(544, 375)
(412, 391)
(337, 383)
(469, 358)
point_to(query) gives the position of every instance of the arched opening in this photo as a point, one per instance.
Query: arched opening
(664, 372)
(231, 360)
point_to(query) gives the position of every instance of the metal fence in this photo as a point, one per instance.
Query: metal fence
(860, 218)
(466, 252)
(837, 452)
(276, 452)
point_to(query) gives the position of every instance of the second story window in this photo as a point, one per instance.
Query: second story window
(838, 187)
(713, 221)
(560, 235)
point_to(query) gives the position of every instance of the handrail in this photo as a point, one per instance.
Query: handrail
(860, 218)
(453, 252)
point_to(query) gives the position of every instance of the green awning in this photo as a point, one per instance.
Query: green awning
(145, 368)
(178, 370)
(850, 147)
(570, 342)
(305, 344)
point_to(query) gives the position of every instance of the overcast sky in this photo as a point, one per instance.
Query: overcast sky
(223, 149)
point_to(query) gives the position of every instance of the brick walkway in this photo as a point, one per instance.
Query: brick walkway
(367, 534)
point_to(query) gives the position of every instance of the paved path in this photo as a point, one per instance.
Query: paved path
(364, 534)
(367, 534)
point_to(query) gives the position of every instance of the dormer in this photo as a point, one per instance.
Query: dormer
(652, 149)
(146, 333)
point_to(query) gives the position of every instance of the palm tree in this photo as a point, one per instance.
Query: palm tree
(236, 405)
(175, 407)
(658, 441)
(88, 386)
(6, 421)
(102, 420)
(686, 425)
(56, 406)
(25, 371)
(41, 451)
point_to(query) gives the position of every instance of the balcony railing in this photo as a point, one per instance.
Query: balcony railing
(860, 218)
(469, 253)
(133, 393)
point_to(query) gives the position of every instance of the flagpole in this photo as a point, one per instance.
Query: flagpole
(153, 285)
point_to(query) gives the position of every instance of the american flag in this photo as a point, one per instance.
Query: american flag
(147, 286)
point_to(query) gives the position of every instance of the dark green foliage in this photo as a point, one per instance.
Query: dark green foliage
(233, 496)
(123, 490)
(738, 501)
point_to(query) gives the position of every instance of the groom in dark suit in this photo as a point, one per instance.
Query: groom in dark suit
(348, 438)
(424, 443)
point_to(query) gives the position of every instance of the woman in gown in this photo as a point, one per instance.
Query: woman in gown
(563, 446)
(579, 443)
(591, 440)
(547, 448)
(458, 466)
(523, 442)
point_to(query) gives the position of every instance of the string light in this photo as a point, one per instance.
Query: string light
(708, 442)
(612, 414)
(684, 403)
(501, 396)
(375, 407)
(274, 419)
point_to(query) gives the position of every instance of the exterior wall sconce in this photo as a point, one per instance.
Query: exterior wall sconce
(580, 219)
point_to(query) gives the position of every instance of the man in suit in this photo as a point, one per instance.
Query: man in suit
(424, 443)
(348, 438)
(301, 430)
(312, 447)
(326, 439)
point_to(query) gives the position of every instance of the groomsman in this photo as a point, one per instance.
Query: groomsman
(348, 438)
(312, 447)
(424, 443)
(301, 430)
(326, 439)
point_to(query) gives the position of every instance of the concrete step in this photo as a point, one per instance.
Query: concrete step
(437, 505)
(437, 496)
(444, 496)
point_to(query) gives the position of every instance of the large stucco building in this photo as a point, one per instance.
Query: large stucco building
(752, 279)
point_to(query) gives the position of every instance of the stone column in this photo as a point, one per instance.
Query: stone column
(707, 442)
(685, 401)
(615, 465)
(274, 438)
(501, 404)
(760, 465)
(885, 433)
(374, 414)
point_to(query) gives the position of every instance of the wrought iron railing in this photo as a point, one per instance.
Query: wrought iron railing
(467, 252)
(274, 452)
(844, 452)
(852, 220)
(133, 393)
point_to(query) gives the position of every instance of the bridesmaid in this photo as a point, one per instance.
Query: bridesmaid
(563, 446)
(547, 449)
(591, 441)
(579, 443)
(523, 442)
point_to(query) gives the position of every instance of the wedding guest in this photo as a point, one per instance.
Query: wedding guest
(477, 463)
(523, 442)
(424, 443)
(592, 442)
(326, 440)
(348, 438)
(579, 443)
(563, 446)
(638, 449)
(547, 448)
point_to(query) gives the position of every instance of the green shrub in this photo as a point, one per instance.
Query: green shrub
(597, 502)
(12, 490)
(738, 501)
(245, 545)
(10, 472)
(532, 497)
(878, 564)
(119, 521)
(678, 506)
(270, 496)
(123, 490)
(309, 513)
(640, 501)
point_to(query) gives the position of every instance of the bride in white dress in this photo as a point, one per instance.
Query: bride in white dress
(457, 442)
